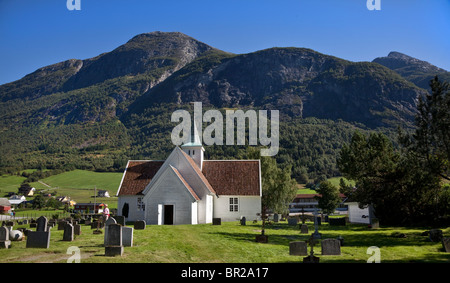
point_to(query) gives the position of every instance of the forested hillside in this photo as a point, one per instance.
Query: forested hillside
(97, 113)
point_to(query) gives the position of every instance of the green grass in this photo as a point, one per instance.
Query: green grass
(233, 243)
(78, 185)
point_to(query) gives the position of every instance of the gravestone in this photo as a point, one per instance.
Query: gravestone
(298, 248)
(311, 258)
(108, 222)
(139, 225)
(446, 244)
(68, 232)
(292, 221)
(435, 235)
(127, 236)
(38, 239)
(262, 239)
(41, 224)
(5, 243)
(374, 223)
(319, 220)
(120, 219)
(331, 247)
(217, 221)
(337, 221)
(275, 218)
(243, 221)
(15, 235)
(113, 246)
(77, 229)
(61, 224)
(304, 229)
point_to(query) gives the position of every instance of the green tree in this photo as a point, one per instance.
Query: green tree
(431, 140)
(38, 202)
(329, 198)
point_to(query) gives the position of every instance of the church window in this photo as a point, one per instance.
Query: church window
(234, 204)
(140, 204)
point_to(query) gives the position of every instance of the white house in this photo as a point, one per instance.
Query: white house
(186, 189)
(356, 214)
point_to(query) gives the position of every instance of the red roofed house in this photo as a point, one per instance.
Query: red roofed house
(186, 189)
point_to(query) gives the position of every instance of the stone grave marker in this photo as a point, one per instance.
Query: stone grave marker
(292, 221)
(41, 224)
(243, 221)
(298, 248)
(217, 221)
(276, 217)
(61, 224)
(139, 225)
(68, 233)
(331, 247)
(127, 236)
(446, 244)
(113, 246)
(108, 222)
(120, 219)
(38, 239)
(435, 235)
(5, 243)
(304, 229)
(15, 235)
(77, 229)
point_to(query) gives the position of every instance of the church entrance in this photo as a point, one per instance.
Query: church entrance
(168, 214)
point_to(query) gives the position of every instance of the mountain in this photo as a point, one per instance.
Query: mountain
(417, 71)
(300, 82)
(98, 113)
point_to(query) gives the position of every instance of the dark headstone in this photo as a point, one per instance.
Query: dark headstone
(337, 221)
(304, 229)
(38, 239)
(217, 221)
(446, 244)
(435, 235)
(68, 232)
(261, 238)
(5, 243)
(331, 247)
(298, 248)
(41, 224)
(139, 225)
(120, 219)
(77, 229)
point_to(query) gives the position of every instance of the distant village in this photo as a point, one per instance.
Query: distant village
(14, 200)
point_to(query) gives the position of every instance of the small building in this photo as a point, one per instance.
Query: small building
(103, 194)
(5, 205)
(26, 191)
(89, 207)
(307, 203)
(357, 214)
(15, 200)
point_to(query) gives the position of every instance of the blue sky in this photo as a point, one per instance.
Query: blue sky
(36, 33)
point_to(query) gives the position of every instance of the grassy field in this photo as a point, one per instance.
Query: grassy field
(78, 185)
(233, 243)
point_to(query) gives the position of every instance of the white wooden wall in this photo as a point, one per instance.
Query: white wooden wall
(249, 206)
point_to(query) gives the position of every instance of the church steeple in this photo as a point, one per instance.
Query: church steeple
(194, 147)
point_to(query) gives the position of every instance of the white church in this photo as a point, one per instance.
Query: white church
(186, 189)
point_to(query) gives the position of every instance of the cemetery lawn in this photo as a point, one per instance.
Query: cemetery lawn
(233, 243)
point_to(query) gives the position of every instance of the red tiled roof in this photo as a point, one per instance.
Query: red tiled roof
(233, 177)
(137, 176)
